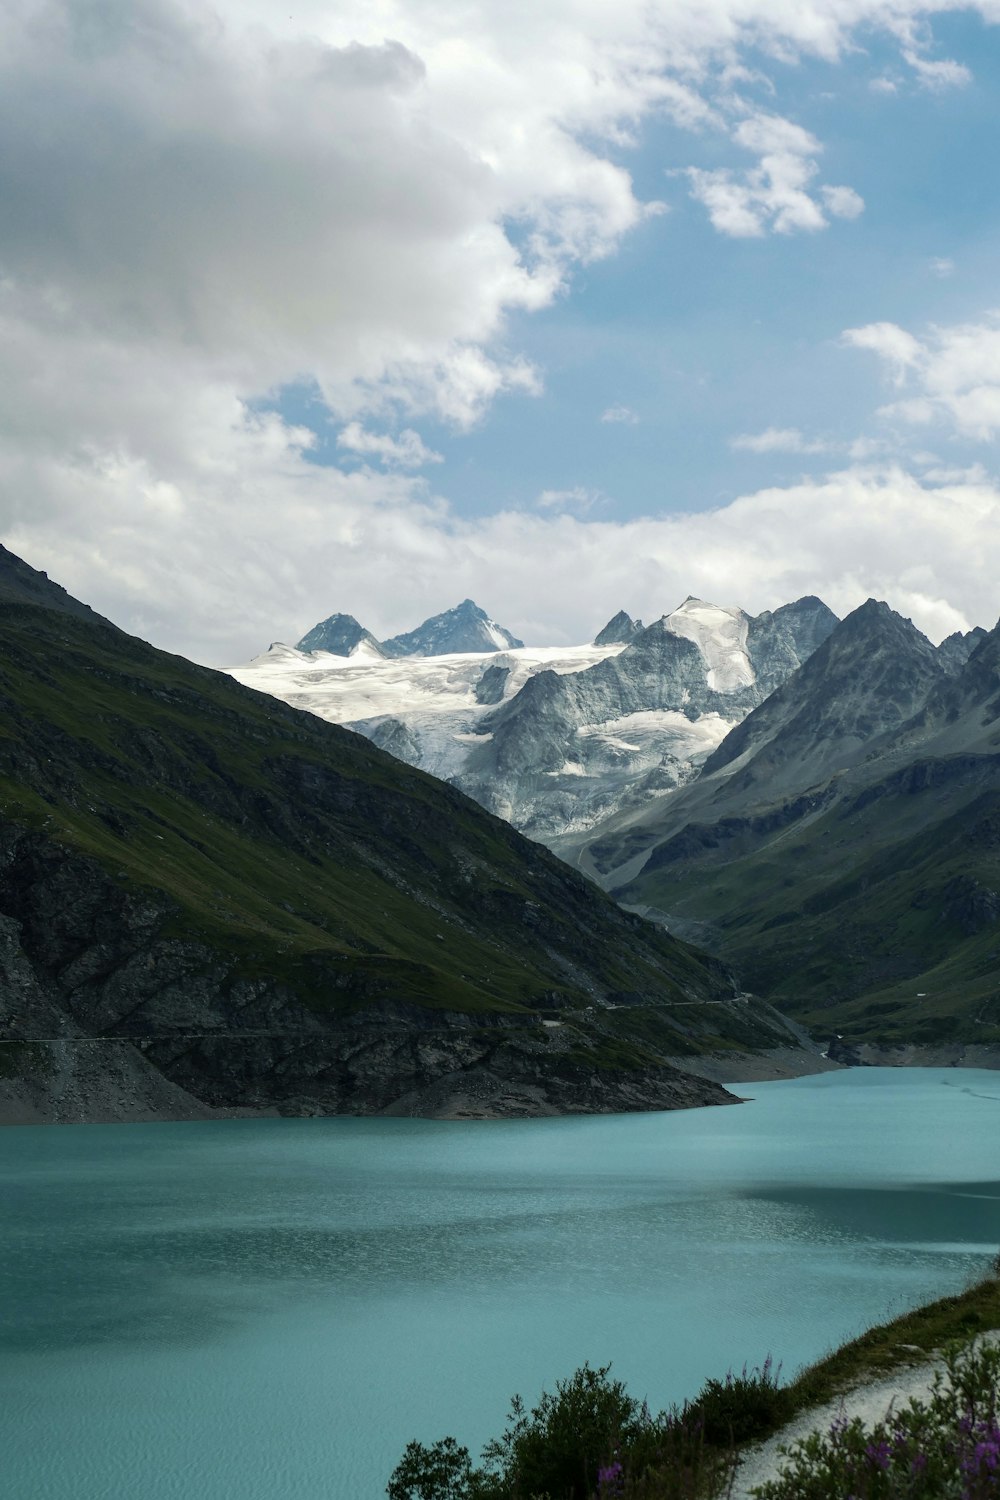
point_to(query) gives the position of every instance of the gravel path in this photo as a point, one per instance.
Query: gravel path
(871, 1402)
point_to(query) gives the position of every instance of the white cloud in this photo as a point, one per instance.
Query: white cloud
(579, 498)
(622, 414)
(408, 451)
(899, 350)
(842, 202)
(778, 193)
(778, 440)
(942, 266)
(251, 542)
(956, 372)
(937, 74)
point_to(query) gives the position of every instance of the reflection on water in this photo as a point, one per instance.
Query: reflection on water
(270, 1309)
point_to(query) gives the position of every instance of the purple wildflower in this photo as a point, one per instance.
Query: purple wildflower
(877, 1454)
(609, 1481)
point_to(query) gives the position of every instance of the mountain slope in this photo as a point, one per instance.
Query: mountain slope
(237, 900)
(22, 584)
(843, 844)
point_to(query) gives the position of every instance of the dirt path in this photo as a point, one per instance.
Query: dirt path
(871, 1402)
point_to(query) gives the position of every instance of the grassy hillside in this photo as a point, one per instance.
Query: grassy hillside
(874, 914)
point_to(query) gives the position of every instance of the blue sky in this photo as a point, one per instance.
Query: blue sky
(372, 308)
(697, 338)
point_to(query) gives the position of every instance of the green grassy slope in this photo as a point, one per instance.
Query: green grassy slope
(876, 916)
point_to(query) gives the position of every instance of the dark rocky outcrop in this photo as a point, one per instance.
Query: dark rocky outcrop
(619, 630)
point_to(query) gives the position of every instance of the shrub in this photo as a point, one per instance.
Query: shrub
(742, 1408)
(442, 1472)
(590, 1440)
(948, 1449)
(557, 1449)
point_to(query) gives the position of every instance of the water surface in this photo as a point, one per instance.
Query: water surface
(268, 1310)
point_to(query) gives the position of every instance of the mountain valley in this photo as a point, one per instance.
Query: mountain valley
(212, 901)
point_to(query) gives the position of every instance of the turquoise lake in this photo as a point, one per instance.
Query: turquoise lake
(269, 1310)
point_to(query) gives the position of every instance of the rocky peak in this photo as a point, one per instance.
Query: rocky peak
(872, 673)
(338, 634)
(619, 630)
(956, 649)
(779, 641)
(464, 628)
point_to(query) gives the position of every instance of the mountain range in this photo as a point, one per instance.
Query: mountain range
(841, 846)
(557, 739)
(210, 900)
(464, 628)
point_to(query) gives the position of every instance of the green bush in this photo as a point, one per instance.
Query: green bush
(589, 1439)
(742, 1408)
(443, 1472)
(554, 1451)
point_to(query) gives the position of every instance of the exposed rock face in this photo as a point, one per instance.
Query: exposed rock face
(619, 630)
(338, 634)
(104, 1015)
(464, 628)
(871, 675)
(571, 749)
(490, 687)
(957, 648)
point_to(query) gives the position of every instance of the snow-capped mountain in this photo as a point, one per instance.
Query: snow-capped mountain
(570, 750)
(426, 710)
(556, 739)
(464, 628)
(338, 634)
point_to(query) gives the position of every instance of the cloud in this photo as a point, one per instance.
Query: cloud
(204, 204)
(250, 542)
(937, 74)
(408, 451)
(842, 202)
(777, 194)
(898, 350)
(955, 372)
(622, 414)
(942, 266)
(579, 498)
(778, 440)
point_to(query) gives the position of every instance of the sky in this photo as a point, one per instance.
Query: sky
(567, 307)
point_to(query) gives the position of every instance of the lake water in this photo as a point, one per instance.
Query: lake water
(269, 1310)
